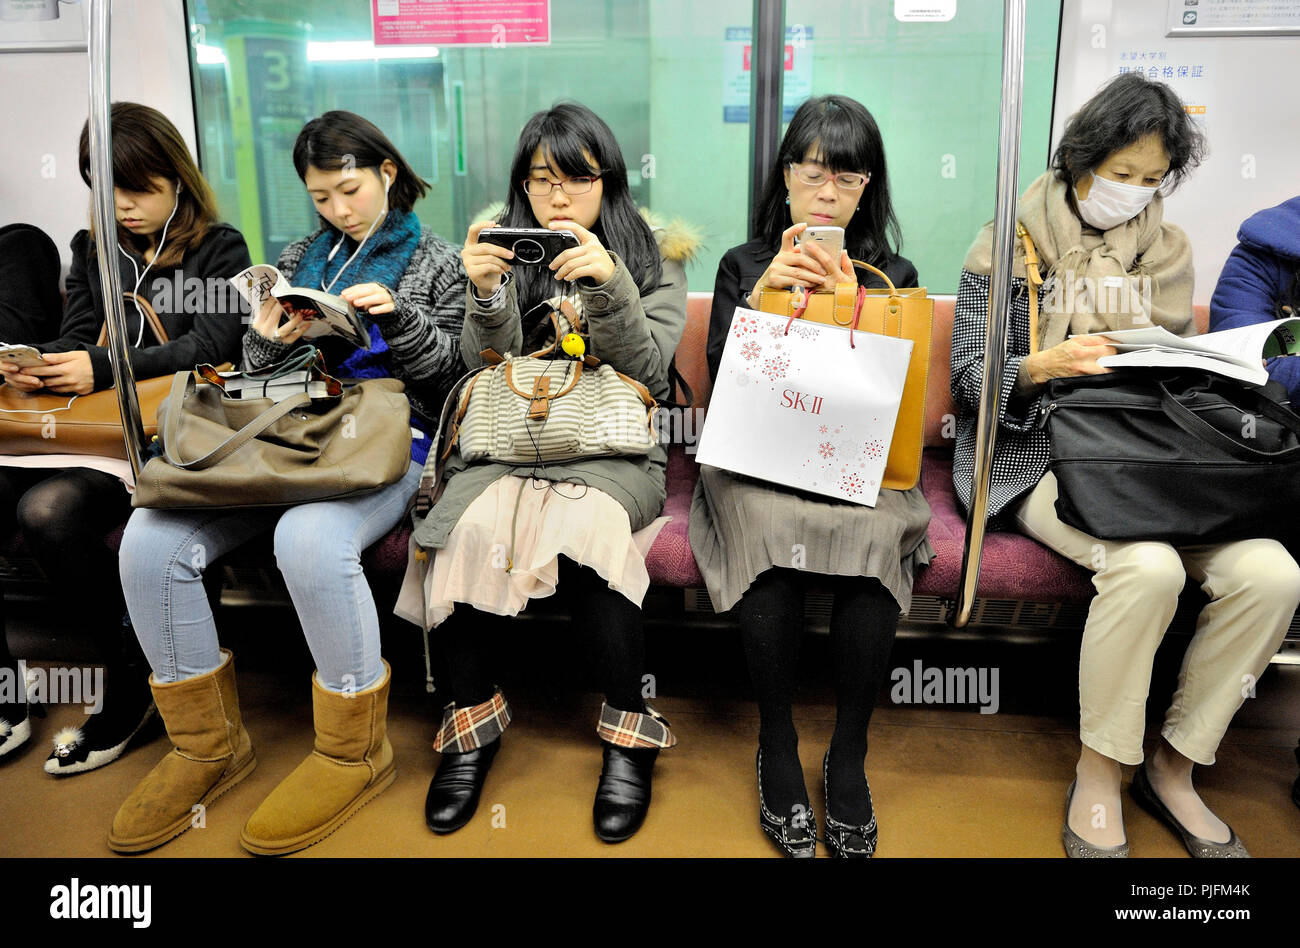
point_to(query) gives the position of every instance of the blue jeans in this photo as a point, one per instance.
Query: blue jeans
(318, 549)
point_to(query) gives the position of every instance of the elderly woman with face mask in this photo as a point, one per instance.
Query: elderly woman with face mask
(1107, 260)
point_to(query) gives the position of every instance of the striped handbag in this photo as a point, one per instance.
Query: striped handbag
(541, 408)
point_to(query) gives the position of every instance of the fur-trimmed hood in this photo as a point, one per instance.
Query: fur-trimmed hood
(678, 240)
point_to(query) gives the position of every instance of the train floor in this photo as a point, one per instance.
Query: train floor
(947, 780)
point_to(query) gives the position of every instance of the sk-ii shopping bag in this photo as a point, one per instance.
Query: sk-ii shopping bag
(805, 408)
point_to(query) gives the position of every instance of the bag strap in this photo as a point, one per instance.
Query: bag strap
(150, 317)
(675, 381)
(182, 385)
(1198, 427)
(431, 476)
(575, 325)
(1034, 279)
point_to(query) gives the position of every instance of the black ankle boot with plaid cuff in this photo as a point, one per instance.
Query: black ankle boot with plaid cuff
(467, 729)
(634, 728)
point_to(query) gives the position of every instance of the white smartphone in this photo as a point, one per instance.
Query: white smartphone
(22, 356)
(830, 239)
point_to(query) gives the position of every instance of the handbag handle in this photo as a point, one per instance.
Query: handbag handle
(1198, 427)
(150, 317)
(182, 385)
(894, 305)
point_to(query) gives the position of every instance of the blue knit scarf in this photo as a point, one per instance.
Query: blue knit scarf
(382, 260)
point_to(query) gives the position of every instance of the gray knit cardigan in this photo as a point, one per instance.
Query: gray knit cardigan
(422, 331)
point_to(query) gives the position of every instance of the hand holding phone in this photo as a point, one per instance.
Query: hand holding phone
(22, 356)
(829, 239)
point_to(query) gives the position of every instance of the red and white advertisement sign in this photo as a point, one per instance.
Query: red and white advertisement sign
(461, 22)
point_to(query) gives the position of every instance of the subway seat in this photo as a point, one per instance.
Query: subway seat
(1014, 568)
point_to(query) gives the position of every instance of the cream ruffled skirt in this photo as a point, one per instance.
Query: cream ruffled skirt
(505, 550)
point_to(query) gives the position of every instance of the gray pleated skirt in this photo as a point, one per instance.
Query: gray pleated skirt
(740, 527)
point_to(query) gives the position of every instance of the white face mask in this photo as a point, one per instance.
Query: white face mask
(1111, 203)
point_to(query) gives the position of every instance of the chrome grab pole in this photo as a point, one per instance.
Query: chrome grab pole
(110, 279)
(995, 348)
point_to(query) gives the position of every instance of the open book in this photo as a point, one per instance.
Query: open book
(327, 313)
(1236, 353)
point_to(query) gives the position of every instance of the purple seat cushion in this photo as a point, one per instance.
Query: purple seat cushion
(1012, 567)
(671, 562)
(388, 554)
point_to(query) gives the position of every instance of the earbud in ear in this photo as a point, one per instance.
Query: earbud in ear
(179, 186)
(386, 181)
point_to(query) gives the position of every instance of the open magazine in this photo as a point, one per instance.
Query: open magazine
(326, 312)
(1236, 353)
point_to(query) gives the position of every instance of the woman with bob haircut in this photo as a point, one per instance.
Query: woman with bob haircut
(831, 171)
(167, 235)
(409, 284)
(582, 526)
(1096, 219)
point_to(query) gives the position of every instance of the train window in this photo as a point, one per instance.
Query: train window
(653, 70)
(670, 76)
(934, 89)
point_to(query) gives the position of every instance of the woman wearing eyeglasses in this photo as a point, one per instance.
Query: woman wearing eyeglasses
(762, 546)
(503, 534)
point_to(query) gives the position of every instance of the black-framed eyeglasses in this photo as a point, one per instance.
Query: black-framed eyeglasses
(815, 176)
(544, 187)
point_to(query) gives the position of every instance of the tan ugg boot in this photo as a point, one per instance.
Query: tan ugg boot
(212, 753)
(351, 765)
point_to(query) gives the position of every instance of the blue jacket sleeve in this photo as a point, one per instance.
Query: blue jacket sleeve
(1252, 282)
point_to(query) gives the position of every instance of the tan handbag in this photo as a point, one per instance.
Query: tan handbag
(254, 452)
(535, 410)
(903, 313)
(48, 423)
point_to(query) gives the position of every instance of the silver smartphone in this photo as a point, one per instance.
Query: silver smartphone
(22, 356)
(828, 238)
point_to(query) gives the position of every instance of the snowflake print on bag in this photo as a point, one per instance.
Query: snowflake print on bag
(826, 449)
(743, 326)
(851, 484)
(821, 429)
(874, 449)
(774, 368)
(750, 351)
(804, 330)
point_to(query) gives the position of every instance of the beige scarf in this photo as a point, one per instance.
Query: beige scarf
(1137, 274)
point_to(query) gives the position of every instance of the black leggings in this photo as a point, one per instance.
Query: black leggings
(864, 620)
(609, 623)
(64, 515)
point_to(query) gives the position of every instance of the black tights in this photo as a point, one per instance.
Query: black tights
(64, 515)
(863, 622)
(607, 621)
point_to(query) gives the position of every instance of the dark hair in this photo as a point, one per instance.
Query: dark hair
(1129, 107)
(568, 133)
(335, 138)
(846, 139)
(146, 146)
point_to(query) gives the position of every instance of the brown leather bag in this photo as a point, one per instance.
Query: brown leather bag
(48, 423)
(903, 313)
